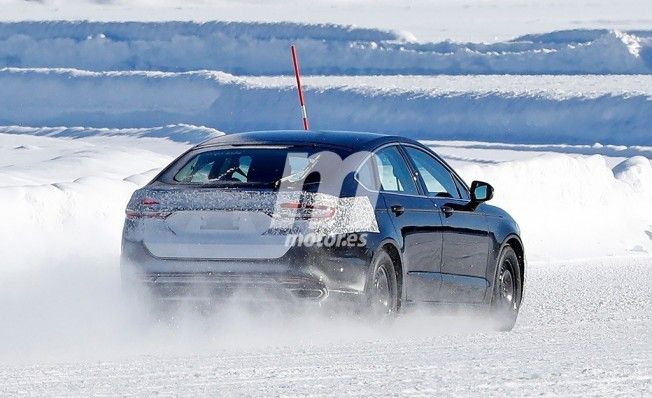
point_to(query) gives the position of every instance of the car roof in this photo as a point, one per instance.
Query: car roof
(353, 140)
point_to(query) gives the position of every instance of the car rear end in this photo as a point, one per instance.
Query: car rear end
(223, 222)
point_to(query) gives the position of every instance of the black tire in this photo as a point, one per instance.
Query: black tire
(382, 295)
(508, 290)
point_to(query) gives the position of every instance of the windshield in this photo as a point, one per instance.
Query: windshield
(247, 166)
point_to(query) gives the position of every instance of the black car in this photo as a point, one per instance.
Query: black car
(322, 216)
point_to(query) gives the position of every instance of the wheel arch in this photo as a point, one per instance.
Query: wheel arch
(515, 242)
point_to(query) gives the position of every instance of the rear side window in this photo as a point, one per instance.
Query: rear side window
(393, 173)
(366, 175)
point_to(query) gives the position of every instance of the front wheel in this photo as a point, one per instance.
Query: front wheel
(382, 287)
(508, 290)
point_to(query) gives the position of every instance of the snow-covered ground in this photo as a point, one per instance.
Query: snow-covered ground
(584, 326)
(584, 330)
(551, 102)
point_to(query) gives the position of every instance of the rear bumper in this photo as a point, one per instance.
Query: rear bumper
(307, 274)
(209, 286)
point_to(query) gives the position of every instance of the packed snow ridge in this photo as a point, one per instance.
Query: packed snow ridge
(556, 109)
(262, 49)
(182, 133)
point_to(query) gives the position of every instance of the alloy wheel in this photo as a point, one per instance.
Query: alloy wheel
(507, 288)
(381, 296)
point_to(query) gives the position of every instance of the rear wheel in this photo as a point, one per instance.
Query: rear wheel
(382, 286)
(508, 289)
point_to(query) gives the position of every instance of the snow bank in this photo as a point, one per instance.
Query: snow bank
(468, 152)
(636, 172)
(174, 132)
(471, 20)
(569, 112)
(262, 49)
(63, 198)
(575, 206)
(52, 223)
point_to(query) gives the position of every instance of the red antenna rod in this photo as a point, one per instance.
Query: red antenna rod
(297, 73)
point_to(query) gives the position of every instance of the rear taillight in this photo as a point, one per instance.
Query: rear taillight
(149, 202)
(135, 214)
(146, 202)
(304, 211)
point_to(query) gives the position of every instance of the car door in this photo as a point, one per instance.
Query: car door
(465, 232)
(415, 219)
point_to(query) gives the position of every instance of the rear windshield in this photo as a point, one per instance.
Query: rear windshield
(243, 166)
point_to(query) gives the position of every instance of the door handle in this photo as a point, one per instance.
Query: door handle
(447, 210)
(398, 209)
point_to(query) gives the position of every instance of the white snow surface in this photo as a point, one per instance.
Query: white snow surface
(524, 109)
(583, 331)
(569, 157)
(586, 221)
(262, 49)
(174, 132)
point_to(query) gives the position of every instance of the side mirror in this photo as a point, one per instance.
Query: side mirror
(481, 192)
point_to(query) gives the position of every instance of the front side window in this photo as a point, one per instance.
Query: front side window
(437, 179)
(393, 173)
